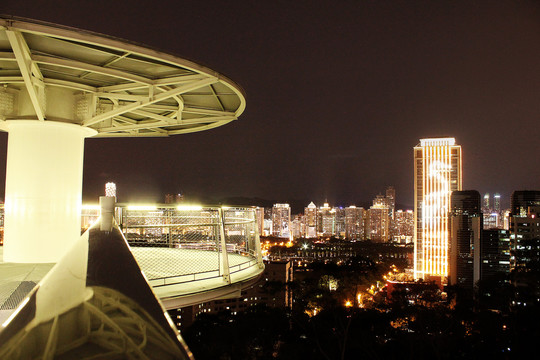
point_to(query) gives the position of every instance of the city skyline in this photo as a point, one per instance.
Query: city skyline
(337, 96)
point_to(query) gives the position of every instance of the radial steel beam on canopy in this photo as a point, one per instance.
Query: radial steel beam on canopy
(59, 85)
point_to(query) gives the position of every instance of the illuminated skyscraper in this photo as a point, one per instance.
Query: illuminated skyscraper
(403, 226)
(485, 206)
(497, 203)
(326, 220)
(525, 228)
(391, 200)
(354, 223)
(310, 213)
(281, 220)
(437, 172)
(378, 221)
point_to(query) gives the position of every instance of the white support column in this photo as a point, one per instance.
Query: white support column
(43, 189)
(257, 241)
(225, 270)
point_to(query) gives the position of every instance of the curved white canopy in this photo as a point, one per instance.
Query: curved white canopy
(113, 86)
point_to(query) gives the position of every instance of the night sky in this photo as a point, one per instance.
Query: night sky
(338, 94)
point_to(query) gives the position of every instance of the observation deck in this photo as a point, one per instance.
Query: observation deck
(61, 85)
(188, 254)
(210, 252)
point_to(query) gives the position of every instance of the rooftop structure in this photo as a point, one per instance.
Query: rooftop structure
(58, 86)
(61, 85)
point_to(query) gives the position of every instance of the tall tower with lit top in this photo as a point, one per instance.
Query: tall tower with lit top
(437, 172)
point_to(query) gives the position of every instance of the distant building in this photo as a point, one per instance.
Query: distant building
(391, 200)
(354, 223)
(310, 214)
(281, 220)
(492, 220)
(485, 205)
(339, 228)
(267, 223)
(403, 226)
(378, 223)
(525, 227)
(327, 220)
(465, 238)
(493, 216)
(437, 172)
(297, 226)
(497, 203)
(495, 253)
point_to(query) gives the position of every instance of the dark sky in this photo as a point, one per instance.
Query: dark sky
(338, 93)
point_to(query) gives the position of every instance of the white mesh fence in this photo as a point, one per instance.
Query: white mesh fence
(175, 245)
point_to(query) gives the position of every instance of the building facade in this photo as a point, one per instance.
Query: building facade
(354, 223)
(524, 228)
(378, 223)
(310, 215)
(281, 220)
(437, 172)
(403, 226)
(465, 238)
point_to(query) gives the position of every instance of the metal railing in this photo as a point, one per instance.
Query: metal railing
(176, 245)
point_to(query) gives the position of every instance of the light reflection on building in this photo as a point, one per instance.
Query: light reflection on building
(437, 172)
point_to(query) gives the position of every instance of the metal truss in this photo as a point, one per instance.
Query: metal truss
(123, 89)
(107, 326)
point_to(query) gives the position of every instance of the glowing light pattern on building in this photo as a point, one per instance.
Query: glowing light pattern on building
(437, 174)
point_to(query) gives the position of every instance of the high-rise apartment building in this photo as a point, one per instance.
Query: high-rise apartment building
(310, 214)
(378, 223)
(297, 226)
(339, 228)
(437, 172)
(497, 203)
(485, 204)
(354, 223)
(525, 228)
(495, 253)
(391, 200)
(326, 220)
(281, 220)
(403, 226)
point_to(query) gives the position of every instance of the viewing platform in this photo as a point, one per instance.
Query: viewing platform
(60, 86)
(188, 254)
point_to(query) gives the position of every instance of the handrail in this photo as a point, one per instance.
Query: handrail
(176, 245)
